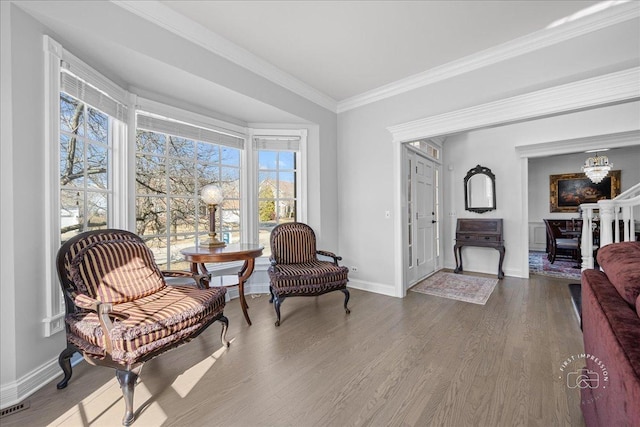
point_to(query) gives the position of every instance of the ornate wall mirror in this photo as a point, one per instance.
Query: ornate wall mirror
(480, 190)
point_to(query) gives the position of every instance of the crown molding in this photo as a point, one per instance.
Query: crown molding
(621, 86)
(513, 48)
(579, 145)
(178, 24)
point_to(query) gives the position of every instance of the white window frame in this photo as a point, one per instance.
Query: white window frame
(301, 175)
(55, 57)
(196, 128)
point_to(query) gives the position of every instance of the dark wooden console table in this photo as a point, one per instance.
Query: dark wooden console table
(479, 232)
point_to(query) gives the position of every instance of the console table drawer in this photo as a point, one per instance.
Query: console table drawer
(478, 238)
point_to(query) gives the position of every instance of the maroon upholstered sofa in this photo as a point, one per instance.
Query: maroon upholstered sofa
(611, 328)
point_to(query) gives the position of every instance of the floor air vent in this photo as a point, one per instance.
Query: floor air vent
(15, 408)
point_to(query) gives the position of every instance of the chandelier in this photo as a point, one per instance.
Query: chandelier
(597, 168)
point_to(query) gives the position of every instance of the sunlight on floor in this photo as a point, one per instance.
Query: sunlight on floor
(105, 406)
(185, 382)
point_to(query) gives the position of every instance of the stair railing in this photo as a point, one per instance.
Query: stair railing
(617, 223)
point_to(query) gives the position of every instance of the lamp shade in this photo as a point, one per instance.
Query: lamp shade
(211, 194)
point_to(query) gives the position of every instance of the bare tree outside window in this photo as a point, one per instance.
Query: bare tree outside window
(84, 176)
(170, 171)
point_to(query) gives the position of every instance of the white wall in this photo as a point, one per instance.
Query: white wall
(365, 154)
(28, 359)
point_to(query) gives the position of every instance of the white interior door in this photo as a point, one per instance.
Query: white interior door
(425, 217)
(420, 259)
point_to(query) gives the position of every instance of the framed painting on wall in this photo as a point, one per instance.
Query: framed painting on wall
(570, 190)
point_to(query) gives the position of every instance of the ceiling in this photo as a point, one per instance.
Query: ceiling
(345, 48)
(334, 50)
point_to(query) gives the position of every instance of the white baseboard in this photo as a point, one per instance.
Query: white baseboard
(17, 391)
(378, 288)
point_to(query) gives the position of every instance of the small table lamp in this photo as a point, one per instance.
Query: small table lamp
(212, 196)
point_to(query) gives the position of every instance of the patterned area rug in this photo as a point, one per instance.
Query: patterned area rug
(459, 287)
(563, 268)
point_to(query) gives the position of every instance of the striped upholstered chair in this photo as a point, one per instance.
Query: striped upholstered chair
(296, 270)
(119, 310)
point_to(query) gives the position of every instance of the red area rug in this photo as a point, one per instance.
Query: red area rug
(459, 287)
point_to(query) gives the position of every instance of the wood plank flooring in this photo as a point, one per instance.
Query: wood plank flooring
(417, 361)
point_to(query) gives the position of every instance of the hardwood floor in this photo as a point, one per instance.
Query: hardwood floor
(417, 361)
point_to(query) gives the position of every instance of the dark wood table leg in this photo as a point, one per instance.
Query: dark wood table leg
(500, 272)
(457, 252)
(243, 276)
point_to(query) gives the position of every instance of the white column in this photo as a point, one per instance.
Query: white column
(606, 221)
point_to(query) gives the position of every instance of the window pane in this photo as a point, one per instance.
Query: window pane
(286, 185)
(183, 215)
(286, 160)
(230, 156)
(71, 115)
(97, 166)
(150, 175)
(208, 153)
(267, 178)
(267, 213)
(267, 160)
(71, 214)
(230, 182)
(150, 142)
(181, 177)
(230, 211)
(97, 126)
(208, 174)
(180, 147)
(71, 162)
(97, 208)
(151, 215)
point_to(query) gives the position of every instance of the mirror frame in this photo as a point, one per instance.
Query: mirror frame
(479, 170)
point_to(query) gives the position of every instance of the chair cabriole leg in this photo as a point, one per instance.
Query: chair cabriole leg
(276, 304)
(127, 380)
(346, 300)
(225, 327)
(64, 360)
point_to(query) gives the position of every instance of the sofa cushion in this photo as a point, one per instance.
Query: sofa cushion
(621, 264)
(116, 271)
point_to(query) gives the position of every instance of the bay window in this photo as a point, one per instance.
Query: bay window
(116, 160)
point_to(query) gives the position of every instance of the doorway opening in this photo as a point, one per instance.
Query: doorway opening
(421, 216)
